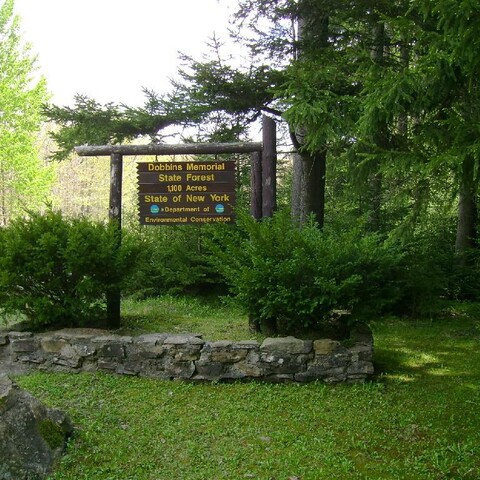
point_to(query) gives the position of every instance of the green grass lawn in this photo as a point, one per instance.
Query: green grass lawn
(419, 419)
(214, 319)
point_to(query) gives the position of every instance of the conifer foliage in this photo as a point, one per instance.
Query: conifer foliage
(381, 103)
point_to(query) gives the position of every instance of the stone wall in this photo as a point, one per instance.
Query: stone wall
(189, 357)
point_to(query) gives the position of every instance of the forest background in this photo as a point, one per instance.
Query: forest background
(378, 105)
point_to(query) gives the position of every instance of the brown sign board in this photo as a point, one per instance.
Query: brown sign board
(186, 192)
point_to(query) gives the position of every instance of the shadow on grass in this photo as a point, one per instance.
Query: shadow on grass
(428, 351)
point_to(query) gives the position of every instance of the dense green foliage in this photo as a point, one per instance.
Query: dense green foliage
(285, 276)
(384, 95)
(24, 180)
(90, 122)
(57, 271)
(292, 276)
(418, 421)
(289, 277)
(172, 260)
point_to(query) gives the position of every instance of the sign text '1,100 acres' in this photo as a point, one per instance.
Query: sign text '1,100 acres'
(186, 192)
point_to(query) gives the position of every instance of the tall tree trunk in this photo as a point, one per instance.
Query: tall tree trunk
(298, 187)
(467, 212)
(308, 189)
(374, 199)
(316, 171)
(380, 140)
(3, 206)
(402, 124)
(309, 169)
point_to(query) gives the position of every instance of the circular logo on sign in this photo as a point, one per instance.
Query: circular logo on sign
(154, 209)
(219, 208)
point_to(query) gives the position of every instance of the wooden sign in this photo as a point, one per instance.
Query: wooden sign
(195, 193)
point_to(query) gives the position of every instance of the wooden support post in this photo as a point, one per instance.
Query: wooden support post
(115, 217)
(116, 153)
(115, 207)
(269, 167)
(256, 186)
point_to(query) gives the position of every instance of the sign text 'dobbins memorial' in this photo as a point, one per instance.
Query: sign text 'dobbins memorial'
(186, 192)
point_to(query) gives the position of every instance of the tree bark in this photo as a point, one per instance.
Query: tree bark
(402, 124)
(298, 186)
(308, 188)
(467, 212)
(256, 186)
(380, 140)
(269, 167)
(115, 216)
(3, 194)
(309, 169)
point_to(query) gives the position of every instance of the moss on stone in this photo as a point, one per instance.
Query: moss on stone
(52, 434)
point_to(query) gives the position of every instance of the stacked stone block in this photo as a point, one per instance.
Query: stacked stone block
(189, 357)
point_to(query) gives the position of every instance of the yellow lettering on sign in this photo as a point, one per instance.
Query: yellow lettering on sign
(220, 198)
(200, 178)
(165, 167)
(195, 198)
(169, 178)
(156, 198)
(206, 166)
(196, 188)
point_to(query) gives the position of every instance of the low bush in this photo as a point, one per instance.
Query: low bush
(431, 273)
(58, 271)
(423, 276)
(173, 260)
(289, 277)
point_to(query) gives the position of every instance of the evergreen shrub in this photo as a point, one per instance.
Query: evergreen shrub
(465, 281)
(293, 276)
(424, 274)
(173, 260)
(58, 271)
(430, 273)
